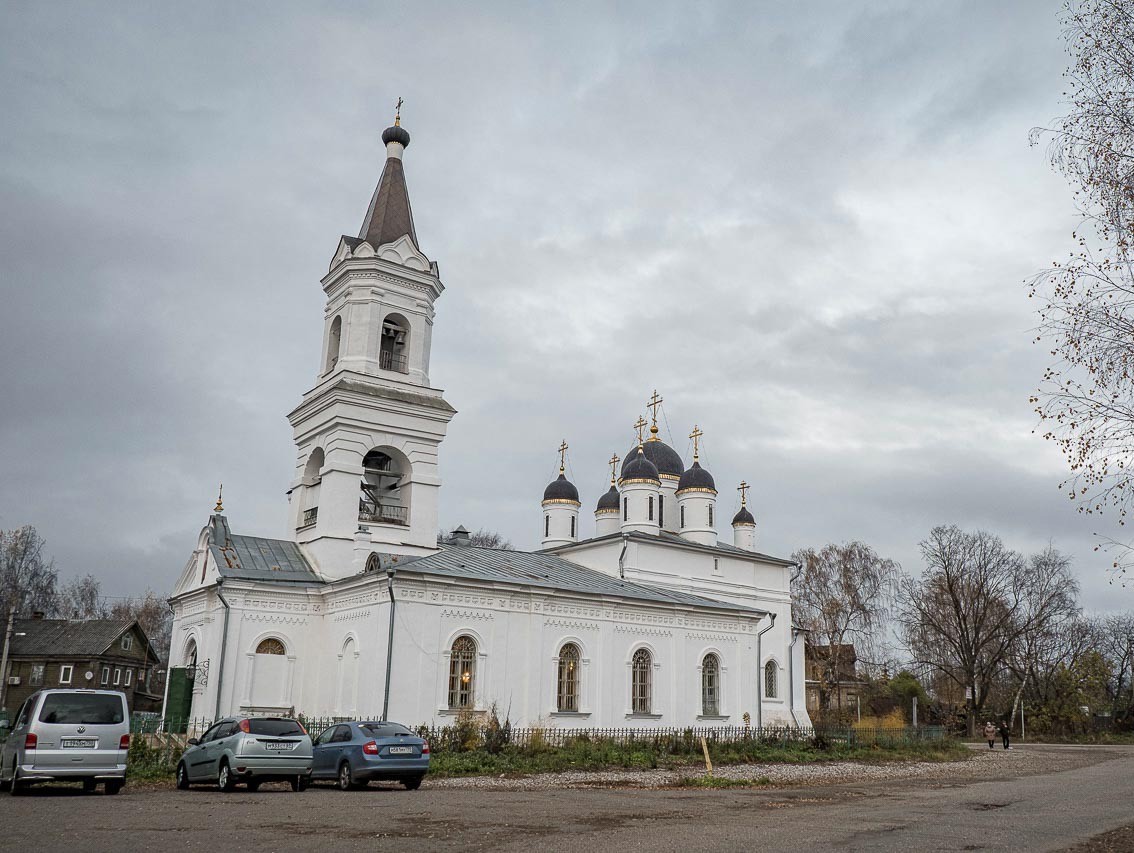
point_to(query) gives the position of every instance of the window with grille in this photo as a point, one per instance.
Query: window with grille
(462, 673)
(710, 686)
(770, 680)
(270, 646)
(567, 688)
(640, 681)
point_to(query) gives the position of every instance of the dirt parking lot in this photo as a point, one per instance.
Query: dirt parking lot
(1035, 798)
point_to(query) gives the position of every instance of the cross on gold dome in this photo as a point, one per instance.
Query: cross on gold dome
(640, 425)
(219, 507)
(696, 436)
(614, 460)
(743, 489)
(653, 404)
(398, 112)
(563, 456)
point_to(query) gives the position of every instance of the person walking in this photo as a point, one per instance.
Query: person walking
(1005, 733)
(990, 733)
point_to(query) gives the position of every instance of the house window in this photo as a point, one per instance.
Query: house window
(129, 676)
(640, 677)
(770, 680)
(651, 510)
(462, 673)
(36, 679)
(117, 675)
(567, 687)
(65, 672)
(710, 515)
(626, 509)
(661, 510)
(270, 646)
(710, 686)
(105, 680)
(127, 643)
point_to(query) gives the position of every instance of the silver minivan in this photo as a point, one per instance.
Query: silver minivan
(68, 735)
(251, 750)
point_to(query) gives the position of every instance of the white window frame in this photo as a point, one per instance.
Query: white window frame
(66, 673)
(129, 676)
(105, 677)
(117, 675)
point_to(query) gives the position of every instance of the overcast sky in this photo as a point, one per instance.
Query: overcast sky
(807, 225)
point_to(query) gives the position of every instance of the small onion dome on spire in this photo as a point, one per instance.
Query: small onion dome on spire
(396, 133)
(743, 518)
(696, 478)
(609, 502)
(639, 468)
(561, 490)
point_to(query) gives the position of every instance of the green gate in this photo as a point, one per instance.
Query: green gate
(180, 699)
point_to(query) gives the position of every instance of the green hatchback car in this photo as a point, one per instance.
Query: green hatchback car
(249, 750)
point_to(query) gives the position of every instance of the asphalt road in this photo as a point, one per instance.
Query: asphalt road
(1043, 812)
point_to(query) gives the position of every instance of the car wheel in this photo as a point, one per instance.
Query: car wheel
(253, 786)
(299, 783)
(224, 778)
(346, 778)
(114, 786)
(182, 777)
(412, 784)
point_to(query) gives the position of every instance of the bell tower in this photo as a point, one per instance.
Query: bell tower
(369, 431)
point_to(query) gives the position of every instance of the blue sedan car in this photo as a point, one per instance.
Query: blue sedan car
(354, 754)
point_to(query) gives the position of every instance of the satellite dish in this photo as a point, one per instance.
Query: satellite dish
(89, 675)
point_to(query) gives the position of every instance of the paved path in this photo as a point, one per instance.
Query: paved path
(1050, 811)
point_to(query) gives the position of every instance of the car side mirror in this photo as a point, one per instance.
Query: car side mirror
(193, 741)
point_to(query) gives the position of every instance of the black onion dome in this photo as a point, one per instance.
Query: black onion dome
(561, 489)
(397, 133)
(639, 467)
(743, 517)
(609, 500)
(664, 458)
(696, 477)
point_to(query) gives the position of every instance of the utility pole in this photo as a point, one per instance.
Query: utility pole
(4, 657)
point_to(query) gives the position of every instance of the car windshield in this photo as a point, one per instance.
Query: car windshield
(87, 709)
(274, 728)
(384, 729)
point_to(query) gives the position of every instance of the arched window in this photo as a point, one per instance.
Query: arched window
(310, 492)
(567, 685)
(770, 680)
(651, 510)
(271, 646)
(393, 350)
(462, 673)
(334, 338)
(641, 676)
(384, 498)
(191, 659)
(711, 686)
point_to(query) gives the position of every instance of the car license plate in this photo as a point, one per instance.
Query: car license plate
(79, 743)
(401, 750)
(279, 745)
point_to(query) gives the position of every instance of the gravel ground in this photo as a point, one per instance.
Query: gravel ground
(983, 765)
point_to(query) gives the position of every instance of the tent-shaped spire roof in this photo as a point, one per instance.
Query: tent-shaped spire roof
(389, 216)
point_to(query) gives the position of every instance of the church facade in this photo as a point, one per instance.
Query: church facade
(361, 612)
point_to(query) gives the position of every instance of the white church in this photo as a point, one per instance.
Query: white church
(361, 612)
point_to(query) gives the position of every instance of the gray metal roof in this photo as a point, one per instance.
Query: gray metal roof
(550, 572)
(66, 636)
(674, 539)
(257, 558)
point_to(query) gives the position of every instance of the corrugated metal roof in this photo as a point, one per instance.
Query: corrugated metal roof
(257, 558)
(550, 572)
(65, 637)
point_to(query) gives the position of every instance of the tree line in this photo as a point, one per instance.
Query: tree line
(984, 630)
(29, 584)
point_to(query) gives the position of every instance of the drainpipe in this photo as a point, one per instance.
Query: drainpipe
(622, 556)
(791, 675)
(224, 646)
(760, 673)
(389, 644)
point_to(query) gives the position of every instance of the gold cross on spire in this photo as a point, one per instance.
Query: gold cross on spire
(640, 425)
(219, 507)
(563, 456)
(398, 112)
(614, 460)
(653, 404)
(696, 436)
(743, 489)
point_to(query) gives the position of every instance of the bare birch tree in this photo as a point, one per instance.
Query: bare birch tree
(27, 577)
